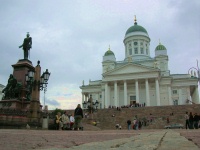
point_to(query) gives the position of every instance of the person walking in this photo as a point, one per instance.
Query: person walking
(196, 121)
(78, 115)
(191, 121)
(129, 124)
(186, 120)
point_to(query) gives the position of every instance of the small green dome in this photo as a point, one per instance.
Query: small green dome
(136, 28)
(109, 52)
(160, 47)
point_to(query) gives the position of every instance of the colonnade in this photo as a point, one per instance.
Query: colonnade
(106, 97)
(116, 98)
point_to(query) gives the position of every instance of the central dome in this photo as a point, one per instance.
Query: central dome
(136, 28)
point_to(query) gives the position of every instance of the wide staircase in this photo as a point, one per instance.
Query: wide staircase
(152, 117)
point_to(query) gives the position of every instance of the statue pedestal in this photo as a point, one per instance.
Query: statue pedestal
(14, 104)
(18, 111)
(20, 69)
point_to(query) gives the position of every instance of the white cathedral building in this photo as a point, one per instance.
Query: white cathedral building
(139, 78)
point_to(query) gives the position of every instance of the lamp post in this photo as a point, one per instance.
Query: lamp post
(90, 105)
(195, 73)
(35, 84)
(198, 72)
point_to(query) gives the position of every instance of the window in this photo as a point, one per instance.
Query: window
(132, 98)
(141, 43)
(99, 96)
(135, 43)
(175, 102)
(130, 51)
(129, 44)
(174, 91)
(136, 50)
(142, 51)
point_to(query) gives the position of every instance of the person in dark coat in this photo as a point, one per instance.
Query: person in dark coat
(191, 121)
(129, 124)
(78, 115)
(196, 121)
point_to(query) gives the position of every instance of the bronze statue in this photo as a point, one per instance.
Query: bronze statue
(27, 45)
(12, 89)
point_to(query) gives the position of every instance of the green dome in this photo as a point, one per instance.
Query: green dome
(136, 28)
(160, 47)
(109, 52)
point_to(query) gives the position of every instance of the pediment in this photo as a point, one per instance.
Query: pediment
(130, 69)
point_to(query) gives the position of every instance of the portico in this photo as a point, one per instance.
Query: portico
(127, 92)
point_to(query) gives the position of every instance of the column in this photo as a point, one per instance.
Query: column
(132, 45)
(109, 97)
(86, 97)
(125, 93)
(82, 98)
(189, 96)
(180, 99)
(195, 96)
(170, 95)
(139, 50)
(118, 100)
(157, 93)
(115, 95)
(137, 91)
(147, 92)
(102, 99)
(106, 95)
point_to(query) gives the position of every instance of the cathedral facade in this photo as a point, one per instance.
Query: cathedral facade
(139, 78)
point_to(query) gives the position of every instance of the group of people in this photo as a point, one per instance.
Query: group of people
(128, 106)
(192, 121)
(118, 126)
(69, 122)
(136, 124)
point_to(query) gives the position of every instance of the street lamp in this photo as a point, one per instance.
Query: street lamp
(42, 83)
(198, 72)
(192, 69)
(32, 82)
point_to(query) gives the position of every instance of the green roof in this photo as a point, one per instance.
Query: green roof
(109, 52)
(160, 47)
(136, 28)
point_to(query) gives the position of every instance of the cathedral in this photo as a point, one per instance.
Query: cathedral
(139, 78)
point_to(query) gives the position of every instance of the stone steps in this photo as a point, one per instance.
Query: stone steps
(159, 115)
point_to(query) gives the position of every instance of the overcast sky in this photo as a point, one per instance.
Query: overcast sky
(71, 37)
